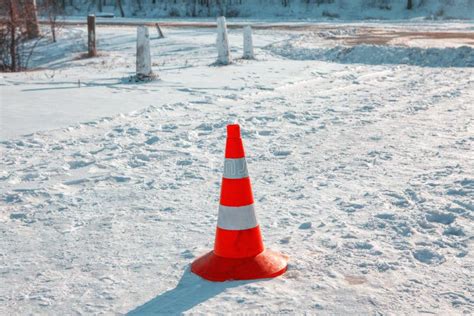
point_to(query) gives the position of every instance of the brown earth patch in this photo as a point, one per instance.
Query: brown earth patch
(355, 280)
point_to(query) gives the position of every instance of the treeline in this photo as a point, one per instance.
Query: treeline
(20, 31)
(229, 8)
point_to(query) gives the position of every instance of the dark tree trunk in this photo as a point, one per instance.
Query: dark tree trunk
(119, 4)
(12, 26)
(13, 48)
(91, 36)
(409, 4)
(160, 32)
(53, 28)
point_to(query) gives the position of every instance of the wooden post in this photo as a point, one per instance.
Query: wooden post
(91, 36)
(160, 32)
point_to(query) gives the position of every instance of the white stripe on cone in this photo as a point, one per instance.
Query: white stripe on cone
(237, 218)
(235, 168)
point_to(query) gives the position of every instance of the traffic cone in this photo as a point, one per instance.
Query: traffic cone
(238, 252)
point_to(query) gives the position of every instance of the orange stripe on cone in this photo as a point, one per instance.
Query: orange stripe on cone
(236, 192)
(238, 243)
(239, 253)
(234, 147)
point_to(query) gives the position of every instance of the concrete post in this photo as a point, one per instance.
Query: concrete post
(248, 43)
(143, 54)
(223, 50)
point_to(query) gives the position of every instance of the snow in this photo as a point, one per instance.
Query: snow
(362, 173)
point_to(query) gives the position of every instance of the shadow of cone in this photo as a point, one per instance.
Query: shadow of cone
(190, 292)
(239, 253)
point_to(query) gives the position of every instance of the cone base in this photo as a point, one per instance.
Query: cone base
(268, 264)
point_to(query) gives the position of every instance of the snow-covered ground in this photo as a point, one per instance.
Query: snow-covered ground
(362, 172)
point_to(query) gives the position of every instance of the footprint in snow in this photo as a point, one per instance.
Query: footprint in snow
(441, 218)
(205, 127)
(133, 131)
(187, 254)
(454, 231)
(76, 164)
(428, 256)
(398, 200)
(169, 127)
(282, 153)
(12, 198)
(152, 140)
(403, 229)
(306, 225)
(184, 162)
(365, 108)
(363, 245)
(121, 178)
(17, 216)
(386, 216)
(266, 133)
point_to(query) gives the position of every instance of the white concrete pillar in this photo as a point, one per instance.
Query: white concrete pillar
(223, 50)
(248, 43)
(143, 54)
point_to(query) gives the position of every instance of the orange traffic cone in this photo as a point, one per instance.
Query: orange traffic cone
(238, 253)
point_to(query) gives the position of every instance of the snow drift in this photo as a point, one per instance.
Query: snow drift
(376, 54)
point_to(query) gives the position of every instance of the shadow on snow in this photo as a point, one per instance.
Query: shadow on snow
(190, 291)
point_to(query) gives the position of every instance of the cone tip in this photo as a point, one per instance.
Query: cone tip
(233, 131)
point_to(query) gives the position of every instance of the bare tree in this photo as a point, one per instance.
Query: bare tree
(15, 48)
(118, 3)
(53, 9)
(31, 16)
(9, 37)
